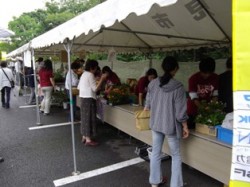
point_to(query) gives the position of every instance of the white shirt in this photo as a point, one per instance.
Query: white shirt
(87, 85)
(74, 80)
(4, 81)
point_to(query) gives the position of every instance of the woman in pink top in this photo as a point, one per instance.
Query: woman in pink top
(47, 84)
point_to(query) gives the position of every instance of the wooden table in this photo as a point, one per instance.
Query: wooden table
(202, 152)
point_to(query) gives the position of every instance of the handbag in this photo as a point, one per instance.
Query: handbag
(12, 83)
(142, 119)
(75, 91)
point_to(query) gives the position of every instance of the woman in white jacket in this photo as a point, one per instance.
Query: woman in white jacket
(5, 86)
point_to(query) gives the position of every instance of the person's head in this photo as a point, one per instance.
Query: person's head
(3, 64)
(206, 67)
(75, 66)
(106, 70)
(151, 74)
(91, 65)
(40, 59)
(229, 63)
(48, 64)
(170, 67)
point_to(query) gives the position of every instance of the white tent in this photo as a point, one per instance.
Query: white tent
(143, 25)
(5, 33)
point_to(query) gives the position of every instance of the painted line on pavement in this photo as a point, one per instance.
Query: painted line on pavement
(27, 106)
(52, 125)
(96, 172)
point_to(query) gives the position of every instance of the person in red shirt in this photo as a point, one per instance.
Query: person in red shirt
(111, 80)
(47, 84)
(141, 87)
(202, 85)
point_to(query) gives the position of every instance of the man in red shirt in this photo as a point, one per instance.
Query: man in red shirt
(202, 85)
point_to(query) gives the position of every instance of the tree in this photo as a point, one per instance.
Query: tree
(32, 24)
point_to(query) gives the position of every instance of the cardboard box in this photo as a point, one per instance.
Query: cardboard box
(205, 129)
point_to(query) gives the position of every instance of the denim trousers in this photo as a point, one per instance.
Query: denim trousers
(155, 160)
(46, 102)
(5, 96)
(73, 102)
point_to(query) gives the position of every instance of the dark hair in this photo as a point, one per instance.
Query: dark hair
(151, 71)
(48, 64)
(106, 69)
(40, 59)
(168, 65)
(3, 64)
(207, 65)
(91, 64)
(229, 63)
(75, 65)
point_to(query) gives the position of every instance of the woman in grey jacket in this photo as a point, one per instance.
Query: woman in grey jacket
(166, 101)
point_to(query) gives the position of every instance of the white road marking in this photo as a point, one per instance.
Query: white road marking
(27, 106)
(52, 125)
(96, 172)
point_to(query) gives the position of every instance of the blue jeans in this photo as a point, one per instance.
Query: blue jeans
(155, 160)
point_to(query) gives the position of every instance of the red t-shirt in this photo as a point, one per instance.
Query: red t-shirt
(204, 88)
(142, 85)
(113, 79)
(45, 76)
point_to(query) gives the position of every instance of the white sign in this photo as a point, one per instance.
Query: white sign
(241, 100)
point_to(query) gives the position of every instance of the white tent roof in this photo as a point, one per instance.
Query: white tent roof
(144, 25)
(5, 33)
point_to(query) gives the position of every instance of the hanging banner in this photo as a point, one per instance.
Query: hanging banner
(240, 169)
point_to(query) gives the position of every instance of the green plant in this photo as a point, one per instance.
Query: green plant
(58, 97)
(210, 113)
(119, 94)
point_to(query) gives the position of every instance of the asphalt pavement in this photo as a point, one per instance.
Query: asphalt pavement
(40, 157)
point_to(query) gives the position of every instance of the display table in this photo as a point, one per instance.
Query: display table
(202, 152)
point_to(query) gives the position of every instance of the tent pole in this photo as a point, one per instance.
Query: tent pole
(24, 78)
(68, 47)
(38, 117)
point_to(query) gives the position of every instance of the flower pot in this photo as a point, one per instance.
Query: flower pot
(65, 105)
(206, 129)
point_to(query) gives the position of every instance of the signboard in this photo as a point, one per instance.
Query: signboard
(240, 169)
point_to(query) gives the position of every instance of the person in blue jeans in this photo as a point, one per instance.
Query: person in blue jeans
(166, 100)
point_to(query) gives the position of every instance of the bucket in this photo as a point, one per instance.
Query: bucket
(65, 105)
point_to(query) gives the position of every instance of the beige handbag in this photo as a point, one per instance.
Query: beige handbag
(75, 91)
(142, 119)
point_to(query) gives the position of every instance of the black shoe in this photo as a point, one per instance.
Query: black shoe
(1, 159)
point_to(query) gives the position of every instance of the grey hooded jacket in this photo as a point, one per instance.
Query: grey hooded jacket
(167, 106)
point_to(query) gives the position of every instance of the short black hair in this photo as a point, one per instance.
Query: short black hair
(207, 65)
(40, 59)
(151, 71)
(229, 63)
(3, 64)
(91, 64)
(75, 65)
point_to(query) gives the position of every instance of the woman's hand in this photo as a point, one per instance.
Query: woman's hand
(185, 130)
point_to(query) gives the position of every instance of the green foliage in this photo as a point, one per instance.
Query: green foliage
(32, 24)
(58, 97)
(58, 76)
(210, 113)
(119, 94)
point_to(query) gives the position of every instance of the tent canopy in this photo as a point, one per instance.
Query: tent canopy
(5, 33)
(143, 25)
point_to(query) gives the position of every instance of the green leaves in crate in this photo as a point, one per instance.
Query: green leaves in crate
(210, 113)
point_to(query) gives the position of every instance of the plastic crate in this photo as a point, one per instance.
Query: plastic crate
(225, 135)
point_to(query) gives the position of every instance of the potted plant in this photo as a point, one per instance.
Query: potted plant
(119, 95)
(210, 114)
(60, 98)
